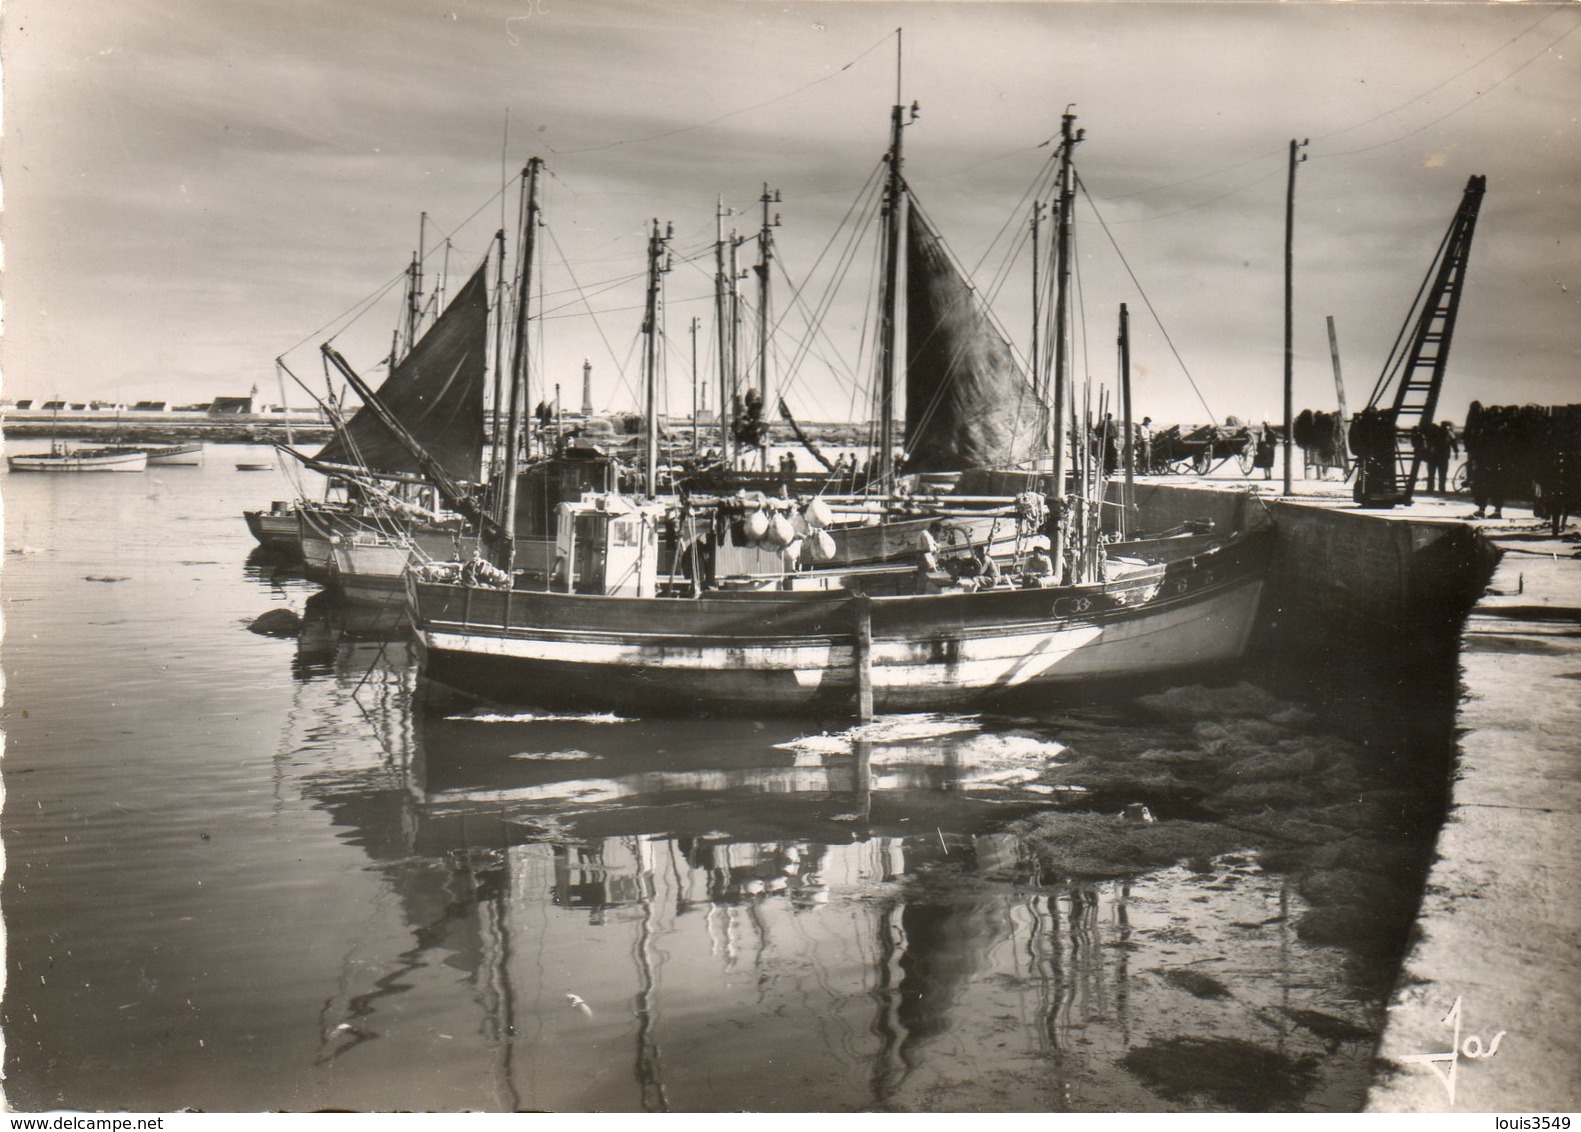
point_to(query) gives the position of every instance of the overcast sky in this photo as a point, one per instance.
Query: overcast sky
(194, 187)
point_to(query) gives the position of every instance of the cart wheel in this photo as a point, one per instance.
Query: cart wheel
(1247, 459)
(1202, 463)
(1460, 482)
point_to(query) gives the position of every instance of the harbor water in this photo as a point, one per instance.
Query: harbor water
(254, 873)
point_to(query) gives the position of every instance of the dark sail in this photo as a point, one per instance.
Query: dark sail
(436, 392)
(968, 403)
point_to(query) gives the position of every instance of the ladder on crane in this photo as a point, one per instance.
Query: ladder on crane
(1418, 375)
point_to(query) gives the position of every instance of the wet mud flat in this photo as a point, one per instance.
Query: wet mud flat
(1193, 899)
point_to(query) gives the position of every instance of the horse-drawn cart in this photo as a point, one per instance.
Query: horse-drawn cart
(1203, 449)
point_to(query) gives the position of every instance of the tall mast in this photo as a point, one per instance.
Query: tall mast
(735, 333)
(1037, 306)
(414, 294)
(765, 255)
(519, 363)
(696, 445)
(1061, 377)
(894, 196)
(1125, 404)
(657, 266)
(496, 438)
(722, 315)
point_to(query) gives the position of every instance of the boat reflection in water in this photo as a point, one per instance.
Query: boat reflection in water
(620, 914)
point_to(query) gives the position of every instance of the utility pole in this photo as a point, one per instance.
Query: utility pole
(1296, 157)
(765, 256)
(658, 265)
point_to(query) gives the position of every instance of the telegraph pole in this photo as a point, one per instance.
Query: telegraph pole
(1296, 157)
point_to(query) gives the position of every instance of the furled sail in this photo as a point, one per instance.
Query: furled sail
(435, 392)
(968, 403)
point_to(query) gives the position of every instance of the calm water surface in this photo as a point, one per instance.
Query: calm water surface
(247, 873)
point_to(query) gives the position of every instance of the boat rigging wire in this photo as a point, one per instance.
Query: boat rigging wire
(1368, 121)
(566, 263)
(726, 116)
(1457, 109)
(1145, 299)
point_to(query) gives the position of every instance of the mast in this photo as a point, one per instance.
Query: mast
(414, 294)
(722, 317)
(519, 363)
(735, 335)
(1037, 305)
(454, 493)
(894, 200)
(765, 255)
(495, 438)
(696, 442)
(1069, 138)
(1125, 406)
(657, 266)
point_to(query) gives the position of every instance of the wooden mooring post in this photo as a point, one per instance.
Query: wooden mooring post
(862, 656)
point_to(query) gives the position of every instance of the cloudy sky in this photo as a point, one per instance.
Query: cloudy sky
(193, 187)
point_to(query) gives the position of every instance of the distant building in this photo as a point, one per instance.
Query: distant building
(25, 404)
(55, 406)
(232, 406)
(151, 407)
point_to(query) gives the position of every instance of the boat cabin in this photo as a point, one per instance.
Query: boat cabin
(605, 544)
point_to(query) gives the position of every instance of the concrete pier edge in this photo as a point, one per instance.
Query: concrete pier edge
(1485, 1015)
(1498, 932)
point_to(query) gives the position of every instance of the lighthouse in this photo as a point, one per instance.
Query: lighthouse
(587, 388)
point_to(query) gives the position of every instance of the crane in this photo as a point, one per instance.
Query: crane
(1389, 461)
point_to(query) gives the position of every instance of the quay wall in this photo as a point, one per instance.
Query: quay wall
(171, 428)
(1344, 579)
(1477, 636)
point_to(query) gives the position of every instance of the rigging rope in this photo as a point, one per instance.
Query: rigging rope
(1148, 302)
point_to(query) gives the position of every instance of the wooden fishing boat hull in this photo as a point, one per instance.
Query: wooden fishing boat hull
(787, 653)
(372, 571)
(277, 530)
(81, 461)
(177, 455)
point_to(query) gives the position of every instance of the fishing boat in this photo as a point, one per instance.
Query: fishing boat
(174, 455)
(61, 459)
(188, 455)
(612, 631)
(276, 529)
